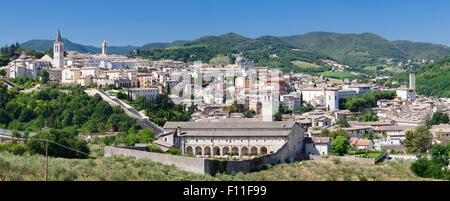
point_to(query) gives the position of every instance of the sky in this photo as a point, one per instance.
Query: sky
(137, 22)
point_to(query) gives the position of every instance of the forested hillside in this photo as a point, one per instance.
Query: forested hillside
(351, 49)
(356, 50)
(432, 79)
(52, 108)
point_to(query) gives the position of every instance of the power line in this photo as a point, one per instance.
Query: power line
(46, 150)
(45, 140)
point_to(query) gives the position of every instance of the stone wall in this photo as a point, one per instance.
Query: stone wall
(203, 165)
(197, 165)
(343, 159)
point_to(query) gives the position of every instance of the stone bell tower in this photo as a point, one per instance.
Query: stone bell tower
(58, 52)
(104, 48)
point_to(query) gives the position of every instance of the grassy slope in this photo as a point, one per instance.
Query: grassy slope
(338, 75)
(305, 64)
(121, 168)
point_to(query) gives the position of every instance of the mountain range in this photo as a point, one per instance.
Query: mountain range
(351, 49)
(44, 45)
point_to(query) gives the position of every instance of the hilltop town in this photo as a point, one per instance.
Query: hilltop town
(250, 116)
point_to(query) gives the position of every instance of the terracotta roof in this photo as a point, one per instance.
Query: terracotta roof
(230, 125)
(363, 142)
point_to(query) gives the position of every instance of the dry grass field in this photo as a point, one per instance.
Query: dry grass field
(120, 168)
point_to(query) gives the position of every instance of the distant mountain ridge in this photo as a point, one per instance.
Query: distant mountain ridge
(44, 45)
(361, 49)
(351, 49)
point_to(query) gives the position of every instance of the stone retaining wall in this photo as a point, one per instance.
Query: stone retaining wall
(197, 165)
(343, 159)
(205, 165)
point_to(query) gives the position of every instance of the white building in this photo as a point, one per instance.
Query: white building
(70, 75)
(317, 145)
(330, 97)
(359, 89)
(58, 52)
(269, 107)
(292, 102)
(218, 139)
(406, 94)
(148, 93)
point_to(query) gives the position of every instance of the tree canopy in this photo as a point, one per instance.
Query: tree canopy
(340, 145)
(419, 140)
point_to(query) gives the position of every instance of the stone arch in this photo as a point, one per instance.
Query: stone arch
(189, 150)
(254, 150)
(225, 151)
(263, 150)
(216, 151)
(198, 151)
(244, 151)
(207, 151)
(235, 150)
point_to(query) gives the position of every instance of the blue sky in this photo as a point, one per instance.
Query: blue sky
(135, 22)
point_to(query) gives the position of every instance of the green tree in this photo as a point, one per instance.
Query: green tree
(278, 116)
(436, 167)
(2, 72)
(325, 133)
(45, 76)
(343, 122)
(339, 132)
(438, 118)
(140, 100)
(419, 140)
(340, 145)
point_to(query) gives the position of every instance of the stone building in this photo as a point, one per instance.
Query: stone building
(148, 93)
(317, 145)
(58, 52)
(218, 139)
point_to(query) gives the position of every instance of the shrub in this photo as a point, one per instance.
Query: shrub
(336, 161)
(154, 148)
(174, 151)
(362, 178)
(347, 178)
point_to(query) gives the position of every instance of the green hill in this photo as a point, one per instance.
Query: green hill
(419, 50)
(264, 51)
(432, 79)
(359, 50)
(355, 50)
(44, 45)
(163, 45)
(350, 49)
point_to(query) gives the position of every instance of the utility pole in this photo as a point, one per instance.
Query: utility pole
(46, 159)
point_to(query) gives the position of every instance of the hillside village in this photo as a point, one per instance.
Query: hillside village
(249, 114)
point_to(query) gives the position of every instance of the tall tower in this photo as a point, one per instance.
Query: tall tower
(412, 81)
(268, 108)
(104, 47)
(58, 52)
